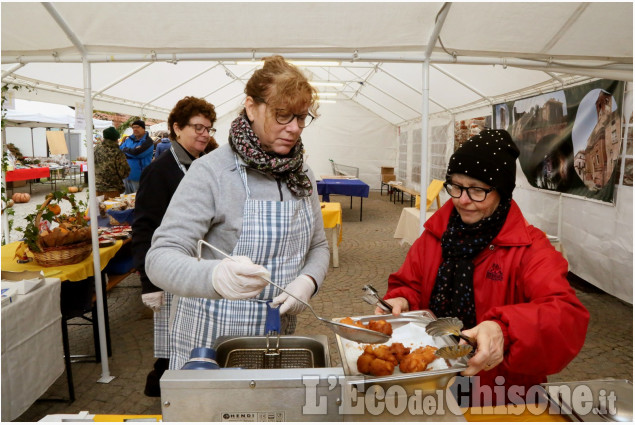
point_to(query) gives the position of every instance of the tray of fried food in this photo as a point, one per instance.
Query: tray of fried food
(408, 354)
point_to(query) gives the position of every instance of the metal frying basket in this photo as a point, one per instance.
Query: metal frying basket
(250, 353)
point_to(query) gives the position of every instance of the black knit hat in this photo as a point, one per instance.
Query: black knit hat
(111, 133)
(140, 123)
(490, 157)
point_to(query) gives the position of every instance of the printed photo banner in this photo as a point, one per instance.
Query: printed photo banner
(570, 140)
(464, 129)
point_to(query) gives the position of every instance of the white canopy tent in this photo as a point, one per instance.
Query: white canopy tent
(26, 123)
(391, 66)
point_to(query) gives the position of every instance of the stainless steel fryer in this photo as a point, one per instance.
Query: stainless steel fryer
(272, 352)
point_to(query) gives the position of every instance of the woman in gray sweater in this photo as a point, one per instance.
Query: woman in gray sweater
(255, 199)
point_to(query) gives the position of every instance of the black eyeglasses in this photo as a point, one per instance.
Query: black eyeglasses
(199, 128)
(285, 117)
(476, 194)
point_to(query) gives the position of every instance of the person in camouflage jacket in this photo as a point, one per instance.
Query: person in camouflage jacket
(111, 166)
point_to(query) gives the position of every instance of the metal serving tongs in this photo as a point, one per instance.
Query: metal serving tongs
(350, 332)
(372, 297)
(451, 326)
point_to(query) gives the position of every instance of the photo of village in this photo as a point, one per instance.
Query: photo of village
(569, 140)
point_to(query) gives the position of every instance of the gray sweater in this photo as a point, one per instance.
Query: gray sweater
(208, 204)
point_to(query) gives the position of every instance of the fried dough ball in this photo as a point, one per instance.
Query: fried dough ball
(363, 363)
(349, 321)
(427, 353)
(379, 367)
(383, 352)
(380, 326)
(418, 360)
(399, 351)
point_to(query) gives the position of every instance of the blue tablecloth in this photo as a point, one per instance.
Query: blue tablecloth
(346, 187)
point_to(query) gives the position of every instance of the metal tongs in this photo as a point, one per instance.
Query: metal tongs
(353, 333)
(372, 297)
(451, 326)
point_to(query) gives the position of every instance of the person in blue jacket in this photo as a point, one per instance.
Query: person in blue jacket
(163, 145)
(139, 148)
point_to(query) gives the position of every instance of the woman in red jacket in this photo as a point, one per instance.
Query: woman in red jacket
(481, 261)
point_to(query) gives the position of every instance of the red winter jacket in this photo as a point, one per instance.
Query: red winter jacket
(519, 282)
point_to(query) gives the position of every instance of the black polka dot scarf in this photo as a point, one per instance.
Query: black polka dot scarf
(245, 143)
(453, 292)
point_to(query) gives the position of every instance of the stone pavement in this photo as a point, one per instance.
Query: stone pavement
(368, 254)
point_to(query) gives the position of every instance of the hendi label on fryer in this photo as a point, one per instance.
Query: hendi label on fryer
(252, 416)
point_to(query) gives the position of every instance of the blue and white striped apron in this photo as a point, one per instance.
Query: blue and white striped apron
(162, 317)
(274, 234)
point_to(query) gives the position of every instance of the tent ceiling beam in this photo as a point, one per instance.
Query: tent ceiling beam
(72, 91)
(381, 106)
(66, 28)
(502, 58)
(227, 84)
(463, 83)
(12, 69)
(392, 97)
(608, 68)
(370, 110)
(123, 78)
(227, 101)
(413, 89)
(562, 31)
(171, 89)
(534, 90)
(555, 77)
(439, 21)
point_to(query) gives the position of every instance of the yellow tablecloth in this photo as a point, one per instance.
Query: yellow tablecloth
(332, 216)
(73, 272)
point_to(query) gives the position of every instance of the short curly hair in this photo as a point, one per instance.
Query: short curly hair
(282, 84)
(187, 108)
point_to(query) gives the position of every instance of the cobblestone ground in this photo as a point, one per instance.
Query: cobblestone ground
(368, 254)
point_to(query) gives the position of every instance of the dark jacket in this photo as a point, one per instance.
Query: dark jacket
(158, 183)
(111, 167)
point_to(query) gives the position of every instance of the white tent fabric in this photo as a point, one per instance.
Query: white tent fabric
(486, 53)
(41, 114)
(379, 47)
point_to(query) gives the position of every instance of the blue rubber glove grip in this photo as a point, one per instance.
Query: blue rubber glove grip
(272, 323)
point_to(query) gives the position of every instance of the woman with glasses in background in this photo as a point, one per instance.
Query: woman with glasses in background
(479, 260)
(191, 127)
(255, 199)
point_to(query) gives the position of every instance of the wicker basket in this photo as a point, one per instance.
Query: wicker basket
(60, 255)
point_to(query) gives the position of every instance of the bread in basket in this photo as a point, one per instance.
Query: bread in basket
(68, 243)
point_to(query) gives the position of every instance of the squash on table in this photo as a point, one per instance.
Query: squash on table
(73, 189)
(21, 198)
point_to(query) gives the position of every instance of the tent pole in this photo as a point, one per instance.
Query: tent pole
(92, 201)
(425, 111)
(425, 120)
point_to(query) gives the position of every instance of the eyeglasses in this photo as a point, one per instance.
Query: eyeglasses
(284, 117)
(476, 194)
(199, 128)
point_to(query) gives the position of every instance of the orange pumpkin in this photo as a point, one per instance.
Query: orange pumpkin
(21, 198)
(55, 209)
(73, 189)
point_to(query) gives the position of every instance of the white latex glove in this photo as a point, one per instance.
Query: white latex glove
(240, 279)
(303, 288)
(153, 300)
